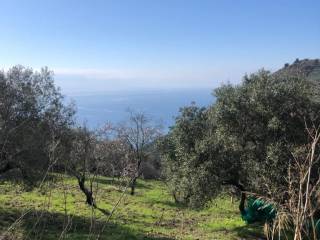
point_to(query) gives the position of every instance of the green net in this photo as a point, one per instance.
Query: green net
(318, 228)
(258, 210)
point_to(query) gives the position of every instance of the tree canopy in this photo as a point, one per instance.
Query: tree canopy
(33, 118)
(246, 138)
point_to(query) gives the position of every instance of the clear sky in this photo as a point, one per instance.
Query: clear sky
(104, 45)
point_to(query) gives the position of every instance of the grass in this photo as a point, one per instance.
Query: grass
(150, 214)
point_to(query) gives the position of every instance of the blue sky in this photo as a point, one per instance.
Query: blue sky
(105, 45)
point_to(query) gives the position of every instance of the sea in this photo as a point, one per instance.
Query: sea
(95, 109)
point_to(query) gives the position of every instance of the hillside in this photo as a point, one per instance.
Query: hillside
(307, 67)
(151, 214)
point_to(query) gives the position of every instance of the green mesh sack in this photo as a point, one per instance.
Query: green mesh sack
(318, 228)
(258, 210)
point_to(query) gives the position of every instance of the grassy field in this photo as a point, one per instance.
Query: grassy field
(58, 211)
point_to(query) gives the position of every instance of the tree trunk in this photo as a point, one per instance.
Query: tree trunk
(243, 194)
(8, 166)
(89, 196)
(134, 180)
(133, 186)
(242, 203)
(174, 195)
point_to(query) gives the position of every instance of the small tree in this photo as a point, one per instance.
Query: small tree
(81, 159)
(185, 158)
(111, 152)
(138, 133)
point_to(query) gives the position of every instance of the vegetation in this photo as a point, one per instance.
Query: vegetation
(138, 134)
(259, 139)
(150, 214)
(307, 67)
(33, 120)
(186, 166)
(253, 129)
(248, 139)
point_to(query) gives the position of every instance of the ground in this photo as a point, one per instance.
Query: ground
(58, 211)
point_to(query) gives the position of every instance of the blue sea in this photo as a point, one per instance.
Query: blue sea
(162, 106)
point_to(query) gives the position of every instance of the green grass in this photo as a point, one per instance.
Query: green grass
(150, 214)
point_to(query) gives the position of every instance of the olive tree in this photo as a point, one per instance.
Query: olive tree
(244, 139)
(263, 120)
(185, 159)
(32, 116)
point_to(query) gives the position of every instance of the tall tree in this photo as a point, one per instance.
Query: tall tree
(32, 115)
(244, 139)
(263, 121)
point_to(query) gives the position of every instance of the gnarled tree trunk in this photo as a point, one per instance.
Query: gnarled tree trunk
(88, 193)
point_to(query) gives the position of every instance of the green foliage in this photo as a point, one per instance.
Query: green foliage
(246, 138)
(32, 119)
(185, 158)
(264, 121)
